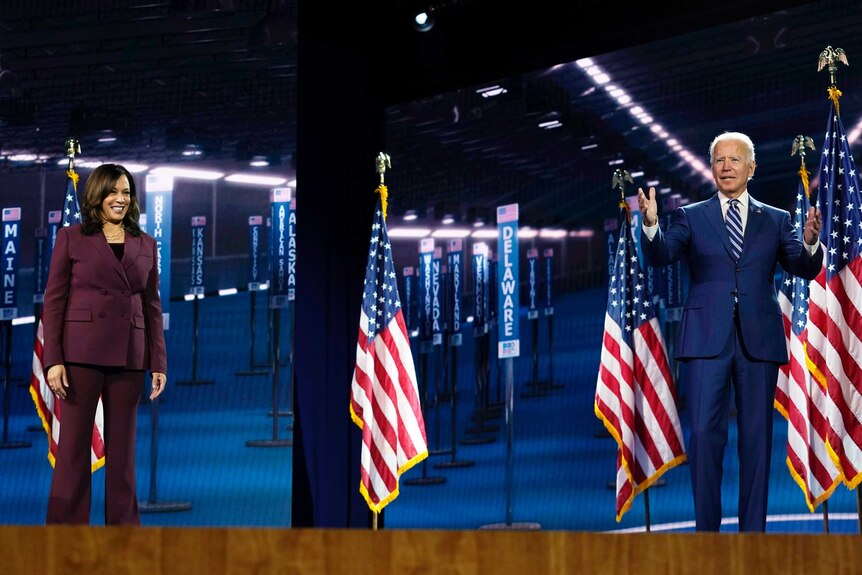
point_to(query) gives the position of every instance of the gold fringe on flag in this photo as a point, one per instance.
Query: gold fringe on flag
(834, 94)
(803, 174)
(384, 195)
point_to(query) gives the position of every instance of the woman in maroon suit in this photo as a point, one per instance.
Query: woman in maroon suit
(102, 320)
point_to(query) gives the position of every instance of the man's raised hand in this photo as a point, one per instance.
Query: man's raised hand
(648, 207)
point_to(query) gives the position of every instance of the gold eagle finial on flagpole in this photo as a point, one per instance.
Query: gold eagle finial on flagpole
(619, 181)
(73, 147)
(383, 162)
(829, 59)
(801, 142)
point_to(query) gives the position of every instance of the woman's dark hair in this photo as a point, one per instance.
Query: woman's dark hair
(101, 183)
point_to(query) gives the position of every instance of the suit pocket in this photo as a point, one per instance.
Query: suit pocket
(79, 315)
(139, 322)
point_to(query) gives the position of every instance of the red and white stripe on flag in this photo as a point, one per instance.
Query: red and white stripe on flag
(636, 401)
(49, 409)
(385, 404)
(835, 351)
(803, 402)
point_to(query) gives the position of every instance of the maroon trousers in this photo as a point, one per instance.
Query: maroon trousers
(69, 500)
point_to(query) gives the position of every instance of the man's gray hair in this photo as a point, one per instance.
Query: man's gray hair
(736, 136)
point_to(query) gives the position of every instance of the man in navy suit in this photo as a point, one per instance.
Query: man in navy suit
(731, 334)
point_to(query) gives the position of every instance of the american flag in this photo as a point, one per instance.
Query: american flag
(47, 406)
(635, 393)
(834, 320)
(799, 397)
(384, 394)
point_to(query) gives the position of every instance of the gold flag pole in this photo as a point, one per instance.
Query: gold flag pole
(798, 149)
(619, 181)
(73, 147)
(383, 162)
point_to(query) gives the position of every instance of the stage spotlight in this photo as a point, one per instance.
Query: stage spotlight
(424, 20)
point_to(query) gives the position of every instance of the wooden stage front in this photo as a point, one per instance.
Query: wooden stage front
(36, 550)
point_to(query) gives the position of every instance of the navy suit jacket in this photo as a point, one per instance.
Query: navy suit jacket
(698, 235)
(100, 310)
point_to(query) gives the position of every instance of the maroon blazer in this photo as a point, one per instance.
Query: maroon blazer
(100, 310)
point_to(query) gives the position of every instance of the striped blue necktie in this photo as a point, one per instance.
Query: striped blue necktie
(734, 228)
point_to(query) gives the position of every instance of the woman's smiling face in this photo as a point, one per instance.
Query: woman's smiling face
(116, 203)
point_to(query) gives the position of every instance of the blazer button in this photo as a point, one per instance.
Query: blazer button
(102, 314)
(738, 270)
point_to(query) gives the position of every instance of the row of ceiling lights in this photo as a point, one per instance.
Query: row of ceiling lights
(190, 151)
(526, 232)
(188, 173)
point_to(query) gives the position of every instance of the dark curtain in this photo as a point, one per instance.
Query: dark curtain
(339, 134)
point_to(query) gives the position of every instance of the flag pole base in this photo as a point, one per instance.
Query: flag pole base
(479, 440)
(488, 413)
(425, 481)
(603, 433)
(520, 526)
(145, 400)
(658, 483)
(14, 444)
(269, 443)
(545, 385)
(196, 382)
(162, 507)
(482, 430)
(252, 372)
(456, 463)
